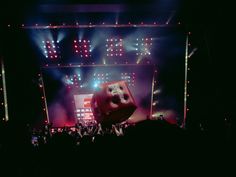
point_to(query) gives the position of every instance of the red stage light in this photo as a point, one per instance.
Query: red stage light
(83, 48)
(50, 48)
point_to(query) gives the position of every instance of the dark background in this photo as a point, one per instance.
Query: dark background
(211, 90)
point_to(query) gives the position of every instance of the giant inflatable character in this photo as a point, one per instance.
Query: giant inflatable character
(112, 103)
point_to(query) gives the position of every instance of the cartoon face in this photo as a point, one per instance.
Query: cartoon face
(113, 102)
(118, 92)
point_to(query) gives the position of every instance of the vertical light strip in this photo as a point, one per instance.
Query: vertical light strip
(4, 91)
(185, 82)
(153, 83)
(45, 100)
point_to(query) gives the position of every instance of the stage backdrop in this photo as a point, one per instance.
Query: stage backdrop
(68, 90)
